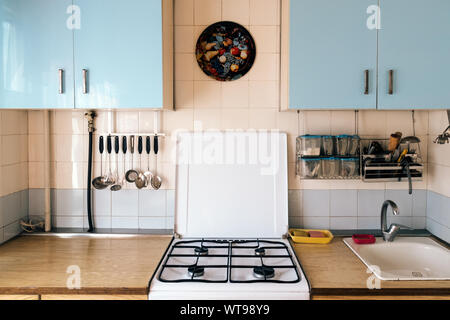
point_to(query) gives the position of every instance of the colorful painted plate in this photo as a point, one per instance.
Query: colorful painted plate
(225, 51)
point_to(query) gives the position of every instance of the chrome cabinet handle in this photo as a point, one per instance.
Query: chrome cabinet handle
(85, 89)
(61, 75)
(391, 82)
(366, 82)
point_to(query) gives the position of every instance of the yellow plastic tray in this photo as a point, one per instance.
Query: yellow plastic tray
(300, 236)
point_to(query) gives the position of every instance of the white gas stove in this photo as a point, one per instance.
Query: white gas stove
(231, 222)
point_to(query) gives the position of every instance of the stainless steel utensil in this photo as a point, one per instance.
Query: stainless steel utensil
(110, 180)
(148, 174)
(156, 181)
(99, 182)
(118, 185)
(131, 174)
(141, 181)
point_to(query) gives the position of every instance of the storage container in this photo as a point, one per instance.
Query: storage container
(327, 145)
(330, 168)
(349, 167)
(310, 168)
(354, 145)
(343, 145)
(309, 145)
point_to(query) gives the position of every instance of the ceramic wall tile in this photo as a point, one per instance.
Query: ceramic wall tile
(343, 223)
(207, 119)
(11, 230)
(67, 122)
(235, 118)
(207, 94)
(35, 122)
(14, 122)
(102, 200)
(36, 202)
(152, 223)
(207, 12)
(372, 123)
(184, 39)
(343, 203)
(438, 230)
(295, 222)
(235, 94)
(317, 122)
(263, 119)
(403, 200)
(152, 203)
(125, 223)
(267, 38)
(184, 94)
(170, 203)
(68, 202)
(370, 202)
(316, 203)
(184, 66)
(125, 204)
(236, 11)
(265, 68)
(343, 122)
(368, 223)
(264, 94)
(11, 149)
(184, 12)
(264, 12)
(316, 222)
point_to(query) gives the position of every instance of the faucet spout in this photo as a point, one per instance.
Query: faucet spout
(389, 234)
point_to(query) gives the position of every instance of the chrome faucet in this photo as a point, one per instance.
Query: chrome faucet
(390, 234)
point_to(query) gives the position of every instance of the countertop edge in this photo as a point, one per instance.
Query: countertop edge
(380, 292)
(66, 291)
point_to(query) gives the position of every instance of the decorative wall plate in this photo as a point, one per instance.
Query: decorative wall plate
(225, 51)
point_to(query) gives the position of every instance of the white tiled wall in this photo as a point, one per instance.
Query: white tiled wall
(438, 215)
(251, 102)
(13, 172)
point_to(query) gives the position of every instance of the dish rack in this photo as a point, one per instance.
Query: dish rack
(378, 168)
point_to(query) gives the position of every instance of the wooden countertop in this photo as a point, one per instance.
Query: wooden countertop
(32, 265)
(38, 264)
(334, 269)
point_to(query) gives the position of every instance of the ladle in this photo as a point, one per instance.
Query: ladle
(156, 181)
(131, 174)
(141, 181)
(99, 182)
(118, 185)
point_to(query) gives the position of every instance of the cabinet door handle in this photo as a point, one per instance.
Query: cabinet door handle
(391, 81)
(61, 80)
(366, 81)
(85, 89)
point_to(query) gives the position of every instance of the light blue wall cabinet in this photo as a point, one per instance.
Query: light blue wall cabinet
(414, 42)
(35, 54)
(329, 49)
(122, 54)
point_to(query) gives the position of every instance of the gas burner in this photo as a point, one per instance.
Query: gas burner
(196, 272)
(260, 252)
(263, 272)
(201, 251)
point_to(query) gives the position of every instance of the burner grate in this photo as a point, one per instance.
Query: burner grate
(231, 247)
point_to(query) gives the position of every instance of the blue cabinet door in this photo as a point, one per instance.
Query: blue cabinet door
(330, 48)
(414, 42)
(119, 45)
(35, 44)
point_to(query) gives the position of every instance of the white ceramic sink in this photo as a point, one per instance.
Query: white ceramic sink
(406, 258)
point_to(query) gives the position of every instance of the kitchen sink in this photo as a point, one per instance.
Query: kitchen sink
(406, 258)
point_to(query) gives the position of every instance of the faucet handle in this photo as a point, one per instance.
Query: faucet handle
(401, 226)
